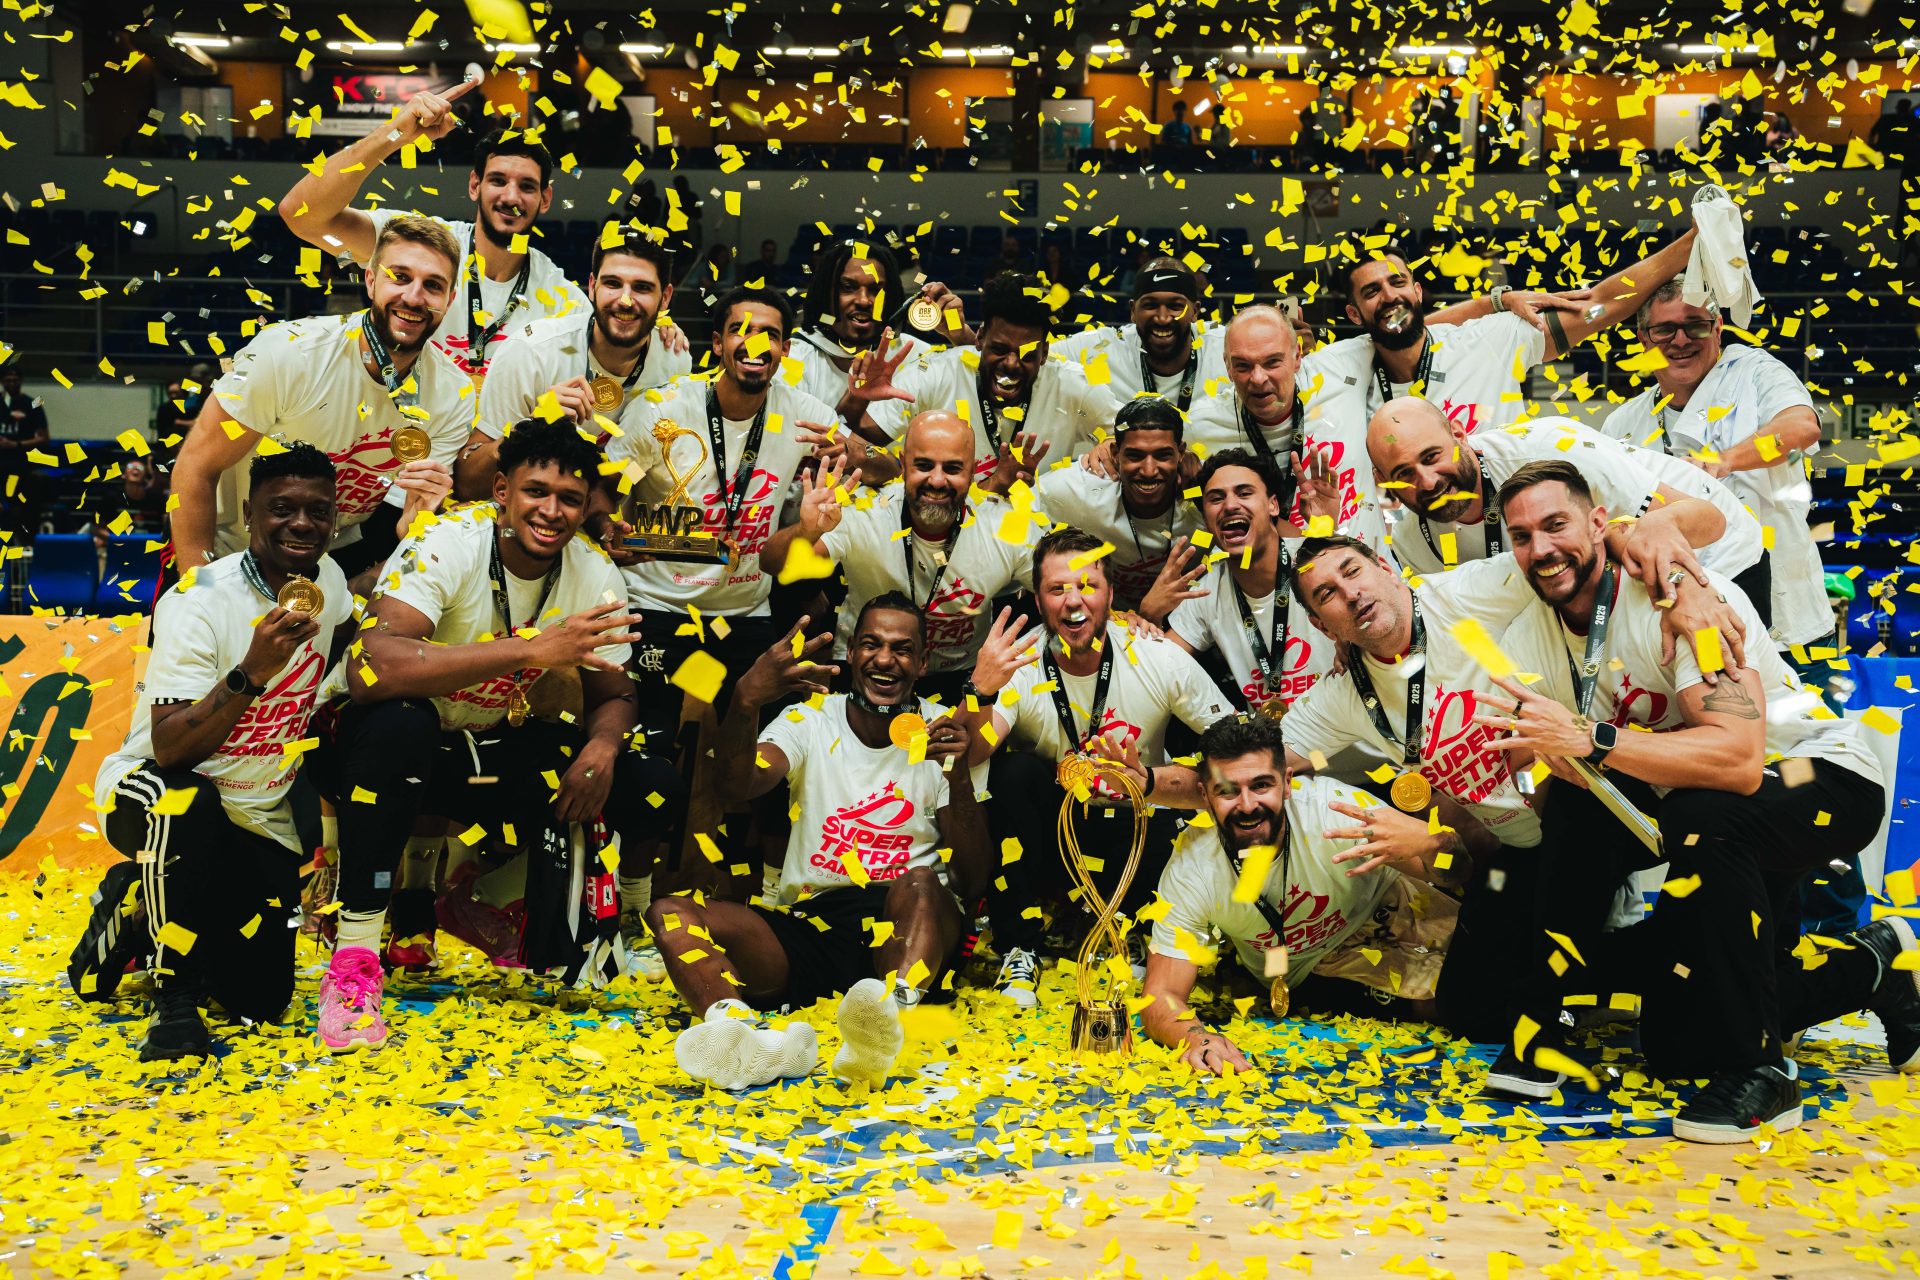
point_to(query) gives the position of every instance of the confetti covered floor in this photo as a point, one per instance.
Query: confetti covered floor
(508, 1130)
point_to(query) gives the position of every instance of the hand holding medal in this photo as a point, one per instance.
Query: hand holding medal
(1388, 838)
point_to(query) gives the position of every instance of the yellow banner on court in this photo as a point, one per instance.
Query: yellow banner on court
(66, 700)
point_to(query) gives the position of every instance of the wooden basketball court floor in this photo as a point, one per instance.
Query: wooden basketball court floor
(509, 1130)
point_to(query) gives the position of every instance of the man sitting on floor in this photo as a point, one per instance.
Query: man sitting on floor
(885, 837)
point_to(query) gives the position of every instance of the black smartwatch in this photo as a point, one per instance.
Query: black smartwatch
(974, 691)
(1605, 738)
(237, 684)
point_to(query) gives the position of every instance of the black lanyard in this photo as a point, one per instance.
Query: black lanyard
(1150, 381)
(390, 375)
(1489, 519)
(946, 555)
(1257, 438)
(1410, 742)
(736, 494)
(1268, 911)
(250, 570)
(1587, 678)
(1133, 530)
(1268, 661)
(479, 336)
(500, 600)
(989, 419)
(1063, 706)
(1420, 373)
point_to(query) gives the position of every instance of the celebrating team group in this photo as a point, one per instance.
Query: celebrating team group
(1409, 685)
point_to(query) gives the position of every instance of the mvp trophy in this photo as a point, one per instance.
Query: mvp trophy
(673, 529)
(1101, 1024)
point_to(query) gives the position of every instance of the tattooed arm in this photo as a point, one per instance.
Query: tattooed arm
(1722, 747)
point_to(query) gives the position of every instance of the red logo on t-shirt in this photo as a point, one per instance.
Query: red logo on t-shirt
(757, 509)
(1465, 416)
(1633, 704)
(360, 473)
(1294, 678)
(1346, 477)
(872, 830)
(1460, 757)
(1309, 923)
(279, 715)
(953, 613)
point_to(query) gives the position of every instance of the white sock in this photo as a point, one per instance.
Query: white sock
(905, 994)
(420, 861)
(361, 929)
(636, 894)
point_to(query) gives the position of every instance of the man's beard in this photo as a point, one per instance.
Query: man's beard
(387, 339)
(1408, 337)
(1449, 504)
(1563, 587)
(1276, 823)
(606, 333)
(931, 514)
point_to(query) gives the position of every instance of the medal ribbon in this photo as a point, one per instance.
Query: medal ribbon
(946, 555)
(1410, 741)
(478, 336)
(1150, 381)
(1063, 706)
(736, 493)
(1420, 373)
(1263, 658)
(1587, 679)
(1489, 520)
(390, 375)
(1268, 911)
(500, 600)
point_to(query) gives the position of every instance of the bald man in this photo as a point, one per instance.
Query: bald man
(924, 537)
(1667, 521)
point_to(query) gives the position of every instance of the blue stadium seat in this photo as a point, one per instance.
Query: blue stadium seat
(64, 572)
(132, 574)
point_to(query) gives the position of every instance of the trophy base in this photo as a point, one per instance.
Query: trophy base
(695, 548)
(1102, 1029)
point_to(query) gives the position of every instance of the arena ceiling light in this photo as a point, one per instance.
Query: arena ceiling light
(1271, 50)
(802, 51)
(644, 50)
(376, 46)
(193, 41)
(511, 47)
(980, 51)
(1434, 51)
(1715, 50)
(1109, 50)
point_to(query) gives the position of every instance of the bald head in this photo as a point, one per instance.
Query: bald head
(936, 457)
(1422, 460)
(1262, 358)
(939, 430)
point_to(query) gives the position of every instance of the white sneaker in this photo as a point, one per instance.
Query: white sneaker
(730, 1049)
(870, 1033)
(646, 963)
(1019, 972)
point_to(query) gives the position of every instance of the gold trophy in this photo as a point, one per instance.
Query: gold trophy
(1102, 1026)
(674, 529)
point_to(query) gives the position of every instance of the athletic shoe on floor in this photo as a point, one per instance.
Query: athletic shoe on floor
(116, 936)
(410, 945)
(731, 1049)
(1019, 972)
(644, 960)
(870, 1033)
(350, 1016)
(1733, 1105)
(493, 931)
(1513, 1078)
(1896, 1001)
(176, 1030)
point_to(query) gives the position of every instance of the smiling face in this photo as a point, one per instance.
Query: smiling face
(1165, 323)
(1149, 463)
(1011, 356)
(1262, 359)
(887, 656)
(627, 298)
(542, 506)
(508, 197)
(1688, 358)
(1247, 796)
(751, 346)
(1420, 458)
(936, 459)
(408, 288)
(1074, 603)
(1558, 540)
(1386, 303)
(1354, 598)
(858, 293)
(1238, 510)
(291, 519)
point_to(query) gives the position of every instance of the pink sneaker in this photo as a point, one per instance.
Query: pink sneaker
(350, 1001)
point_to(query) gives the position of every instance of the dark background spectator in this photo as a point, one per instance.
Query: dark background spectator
(23, 426)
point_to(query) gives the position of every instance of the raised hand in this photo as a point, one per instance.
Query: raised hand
(870, 376)
(275, 639)
(431, 113)
(1388, 838)
(820, 508)
(426, 482)
(572, 641)
(787, 667)
(1020, 458)
(575, 397)
(1529, 305)
(1175, 583)
(1003, 653)
(1318, 490)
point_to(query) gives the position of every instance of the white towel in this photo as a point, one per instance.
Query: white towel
(1717, 272)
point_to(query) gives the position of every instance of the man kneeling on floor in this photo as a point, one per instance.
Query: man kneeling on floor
(888, 831)
(1336, 900)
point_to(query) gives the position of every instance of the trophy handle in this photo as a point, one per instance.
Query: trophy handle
(1101, 1023)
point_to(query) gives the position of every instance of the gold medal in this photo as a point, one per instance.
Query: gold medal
(301, 595)
(905, 728)
(608, 396)
(924, 315)
(1411, 792)
(1274, 708)
(411, 444)
(517, 707)
(1280, 996)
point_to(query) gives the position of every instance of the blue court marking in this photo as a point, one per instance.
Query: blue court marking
(819, 1219)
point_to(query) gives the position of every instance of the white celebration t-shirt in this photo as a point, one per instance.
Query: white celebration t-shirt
(1073, 495)
(1064, 411)
(1213, 622)
(538, 355)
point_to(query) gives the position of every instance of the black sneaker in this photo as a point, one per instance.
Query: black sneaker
(176, 1030)
(1516, 1079)
(1896, 1001)
(1733, 1105)
(116, 935)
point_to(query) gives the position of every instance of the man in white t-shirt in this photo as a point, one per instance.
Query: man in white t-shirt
(1744, 419)
(1037, 699)
(840, 334)
(227, 694)
(472, 608)
(594, 366)
(499, 279)
(346, 384)
(1140, 511)
(1662, 509)
(1245, 609)
(951, 554)
(884, 837)
(1327, 908)
(1689, 742)
(1160, 353)
(1025, 408)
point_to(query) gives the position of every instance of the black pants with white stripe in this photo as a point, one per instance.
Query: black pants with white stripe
(231, 890)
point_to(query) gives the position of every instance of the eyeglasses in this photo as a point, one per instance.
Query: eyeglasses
(1662, 334)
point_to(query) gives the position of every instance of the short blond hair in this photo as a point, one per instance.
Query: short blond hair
(420, 230)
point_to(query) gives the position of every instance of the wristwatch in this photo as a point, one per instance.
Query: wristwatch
(1605, 738)
(237, 683)
(972, 690)
(1498, 295)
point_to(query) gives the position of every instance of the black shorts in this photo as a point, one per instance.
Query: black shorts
(661, 651)
(828, 957)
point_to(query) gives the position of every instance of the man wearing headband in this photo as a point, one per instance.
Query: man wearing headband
(368, 389)
(1141, 513)
(1159, 353)
(886, 832)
